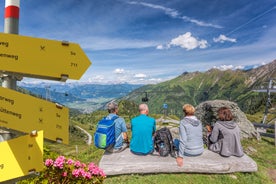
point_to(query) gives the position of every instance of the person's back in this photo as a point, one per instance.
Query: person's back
(190, 141)
(192, 138)
(142, 128)
(225, 136)
(226, 139)
(120, 129)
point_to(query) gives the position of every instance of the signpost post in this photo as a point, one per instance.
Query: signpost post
(11, 26)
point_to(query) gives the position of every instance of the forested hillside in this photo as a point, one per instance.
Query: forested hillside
(196, 87)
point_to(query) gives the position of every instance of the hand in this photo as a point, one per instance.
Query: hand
(179, 161)
(209, 128)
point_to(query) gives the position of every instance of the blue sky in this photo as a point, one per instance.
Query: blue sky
(150, 41)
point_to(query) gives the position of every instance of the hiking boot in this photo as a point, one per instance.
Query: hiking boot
(124, 146)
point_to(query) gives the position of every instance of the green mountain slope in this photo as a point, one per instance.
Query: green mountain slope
(197, 87)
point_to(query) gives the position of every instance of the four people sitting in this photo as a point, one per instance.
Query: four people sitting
(224, 138)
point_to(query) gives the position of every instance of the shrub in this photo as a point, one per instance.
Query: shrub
(63, 170)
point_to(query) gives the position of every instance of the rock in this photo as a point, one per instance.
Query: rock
(209, 162)
(207, 113)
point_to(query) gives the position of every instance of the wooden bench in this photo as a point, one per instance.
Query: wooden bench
(209, 162)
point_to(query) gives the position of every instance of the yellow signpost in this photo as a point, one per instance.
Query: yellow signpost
(21, 156)
(41, 58)
(22, 56)
(26, 113)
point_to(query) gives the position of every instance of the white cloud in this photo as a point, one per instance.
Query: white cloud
(155, 80)
(240, 67)
(159, 47)
(188, 42)
(200, 23)
(224, 67)
(228, 67)
(175, 14)
(168, 11)
(140, 75)
(223, 38)
(96, 79)
(119, 71)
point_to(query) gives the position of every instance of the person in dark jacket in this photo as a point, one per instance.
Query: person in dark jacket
(225, 136)
(190, 141)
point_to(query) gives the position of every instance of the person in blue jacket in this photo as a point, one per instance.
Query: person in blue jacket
(143, 128)
(121, 137)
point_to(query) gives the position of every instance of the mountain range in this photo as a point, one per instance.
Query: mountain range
(84, 97)
(190, 87)
(196, 87)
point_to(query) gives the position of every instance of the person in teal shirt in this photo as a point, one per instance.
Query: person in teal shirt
(143, 128)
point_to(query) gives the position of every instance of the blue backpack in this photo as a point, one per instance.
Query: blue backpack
(105, 133)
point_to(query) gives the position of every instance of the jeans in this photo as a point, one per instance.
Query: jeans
(176, 144)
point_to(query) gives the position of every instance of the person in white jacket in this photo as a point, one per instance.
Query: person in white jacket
(190, 135)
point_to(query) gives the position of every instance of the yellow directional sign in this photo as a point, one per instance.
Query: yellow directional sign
(21, 156)
(26, 113)
(41, 58)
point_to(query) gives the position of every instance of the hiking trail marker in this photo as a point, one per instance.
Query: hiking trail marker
(21, 156)
(22, 56)
(41, 58)
(26, 113)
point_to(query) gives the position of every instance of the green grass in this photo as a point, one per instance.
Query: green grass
(263, 152)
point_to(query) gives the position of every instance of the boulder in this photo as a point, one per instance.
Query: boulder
(207, 113)
(209, 162)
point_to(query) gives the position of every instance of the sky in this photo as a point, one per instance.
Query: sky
(150, 41)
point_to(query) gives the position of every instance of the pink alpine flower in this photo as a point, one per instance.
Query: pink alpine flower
(49, 162)
(59, 162)
(77, 164)
(63, 170)
(64, 174)
(70, 162)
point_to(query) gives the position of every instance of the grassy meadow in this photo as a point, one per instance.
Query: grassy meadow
(262, 151)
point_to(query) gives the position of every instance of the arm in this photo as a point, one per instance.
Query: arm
(124, 130)
(214, 134)
(182, 142)
(125, 137)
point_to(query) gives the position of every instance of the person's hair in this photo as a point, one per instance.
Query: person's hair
(111, 107)
(143, 107)
(224, 114)
(188, 109)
